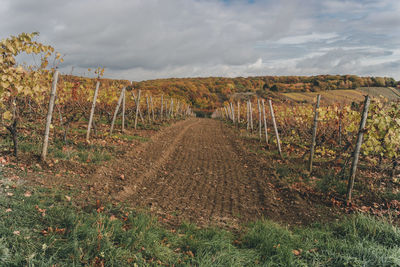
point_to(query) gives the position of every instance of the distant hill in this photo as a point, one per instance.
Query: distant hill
(209, 93)
(206, 94)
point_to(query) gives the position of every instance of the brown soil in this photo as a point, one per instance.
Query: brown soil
(198, 170)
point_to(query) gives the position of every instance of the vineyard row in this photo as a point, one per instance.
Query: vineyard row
(330, 133)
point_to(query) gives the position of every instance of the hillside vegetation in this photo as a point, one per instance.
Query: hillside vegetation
(210, 93)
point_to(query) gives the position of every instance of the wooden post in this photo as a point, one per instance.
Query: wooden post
(140, 113)
(123, 111)
(259, 118)
(171, 108)
(121, 96)
(233, 112)
(248, 115)
(356, 153)
(278, 141)
(148, 108)
(314, 134)
(238, 114)
(152, 107)
(141, 116)
(92, 110)
(137, 108)
(340, 128)
(134, 97)
(265, 122)
(166, 108)
(49, 115)
(251, 116)
(162, 103)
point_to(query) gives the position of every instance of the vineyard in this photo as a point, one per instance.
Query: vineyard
(25, 100)
(119, 173)
(328, 133)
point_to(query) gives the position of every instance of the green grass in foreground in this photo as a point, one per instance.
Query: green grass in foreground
(45, 229)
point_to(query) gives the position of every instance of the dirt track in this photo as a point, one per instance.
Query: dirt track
(197, 170)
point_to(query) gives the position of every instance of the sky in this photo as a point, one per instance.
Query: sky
(149, 39)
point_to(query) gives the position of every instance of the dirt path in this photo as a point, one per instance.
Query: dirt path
(197, 170)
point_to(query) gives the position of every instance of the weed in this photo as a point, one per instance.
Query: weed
(141, 138)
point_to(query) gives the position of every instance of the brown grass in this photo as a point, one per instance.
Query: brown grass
(329, 97)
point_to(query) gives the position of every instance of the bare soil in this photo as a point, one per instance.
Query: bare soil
(199, 170)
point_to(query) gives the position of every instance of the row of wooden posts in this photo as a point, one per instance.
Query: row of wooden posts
(228, 112)
(165, 112)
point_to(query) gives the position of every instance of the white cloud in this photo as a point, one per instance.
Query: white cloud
(313, 37)
(256, 65)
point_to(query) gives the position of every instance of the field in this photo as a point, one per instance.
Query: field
(389, 93)
(346, 96)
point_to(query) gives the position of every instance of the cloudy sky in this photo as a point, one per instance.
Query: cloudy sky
(148, 39)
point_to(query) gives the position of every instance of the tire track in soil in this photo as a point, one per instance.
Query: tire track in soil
(137, 165)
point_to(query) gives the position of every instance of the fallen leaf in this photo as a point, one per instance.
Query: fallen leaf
(8, 210)
(44, 232)
(68, 198)
(60, 230)
(28, 194)
(40, 210)
(10, 194)
(122, 177)
(16, 232)
(296, 252)
(365, 208)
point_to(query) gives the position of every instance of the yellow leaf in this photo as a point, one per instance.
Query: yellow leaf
(7, 115)
(5, 84)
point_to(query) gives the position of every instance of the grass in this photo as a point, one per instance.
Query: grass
(81, 151)
(139, 138)
(44, 228)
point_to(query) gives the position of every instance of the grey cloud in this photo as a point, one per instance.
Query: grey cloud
(144, 39)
